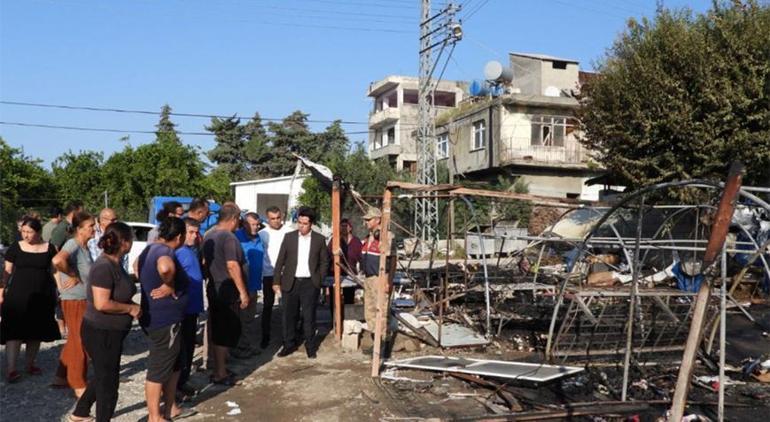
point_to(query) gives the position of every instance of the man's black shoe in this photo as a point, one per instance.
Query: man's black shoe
(286, 351)
(311, 353)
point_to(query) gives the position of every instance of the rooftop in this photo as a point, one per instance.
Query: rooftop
(543, 57)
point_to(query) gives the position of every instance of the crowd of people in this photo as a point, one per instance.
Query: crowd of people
(74, 270)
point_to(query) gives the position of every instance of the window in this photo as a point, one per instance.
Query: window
(558, 64)
(267, 200)
(391, 137)
(411, 96)
(377, 140)
(442, 146)
(479, 132)
(550, 130)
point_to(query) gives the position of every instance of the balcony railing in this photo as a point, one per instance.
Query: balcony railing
(383, 117)
(571, 154)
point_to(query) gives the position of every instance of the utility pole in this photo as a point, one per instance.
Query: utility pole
(449, 31)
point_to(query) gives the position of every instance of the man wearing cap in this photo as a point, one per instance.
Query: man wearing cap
(370, 266)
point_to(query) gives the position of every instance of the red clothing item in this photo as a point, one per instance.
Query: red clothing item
(352, 252)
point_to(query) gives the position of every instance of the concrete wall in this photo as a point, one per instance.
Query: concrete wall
(526, 74)
(563, 79)
(463, 158)
(246, 192)
(534, 75)
(555, 186)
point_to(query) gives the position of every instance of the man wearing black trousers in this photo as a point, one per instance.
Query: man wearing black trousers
(302, 261)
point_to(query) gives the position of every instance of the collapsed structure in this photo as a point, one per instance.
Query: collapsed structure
(600, 286)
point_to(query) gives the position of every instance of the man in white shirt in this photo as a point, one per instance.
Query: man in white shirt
(272, 237)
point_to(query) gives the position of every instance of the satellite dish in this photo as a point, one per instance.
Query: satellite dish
(495, 71)
(552, 91)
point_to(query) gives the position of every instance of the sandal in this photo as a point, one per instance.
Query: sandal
(13, 376)
(34, 370)
(186, 412)
(73, 418)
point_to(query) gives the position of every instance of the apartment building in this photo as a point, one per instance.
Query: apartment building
(530, 130)
(393, 117)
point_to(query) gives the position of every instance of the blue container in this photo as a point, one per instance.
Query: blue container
(478, 88)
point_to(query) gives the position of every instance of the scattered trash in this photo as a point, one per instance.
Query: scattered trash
(234, 408)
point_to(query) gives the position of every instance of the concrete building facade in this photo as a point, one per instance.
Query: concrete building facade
(393, 117)
(530, 131)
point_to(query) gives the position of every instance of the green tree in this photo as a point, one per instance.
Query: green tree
(365, 176)
(681, 96)
(166, 167)
(166, 129)
(229, 152)
(291, 135)
(25, 185)
(78, 176)
(258, 151)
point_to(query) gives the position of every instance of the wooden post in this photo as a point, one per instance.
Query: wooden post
(719, 229)
(336, 250)
(382, 282)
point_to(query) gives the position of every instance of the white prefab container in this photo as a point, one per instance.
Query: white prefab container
(506, 239)
(501, 239)
(475, 249)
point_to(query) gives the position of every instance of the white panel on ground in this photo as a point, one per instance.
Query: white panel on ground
(534, 372)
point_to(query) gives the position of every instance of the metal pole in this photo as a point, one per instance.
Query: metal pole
(716, 240)
(722, 335)
(635, 270)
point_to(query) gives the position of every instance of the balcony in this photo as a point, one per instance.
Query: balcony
(386, 117)
(573, 155)
(384, 151)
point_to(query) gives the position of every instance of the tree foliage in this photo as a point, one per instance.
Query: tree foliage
(365, 176)
(76, 176)
(25, 185)
(252, 150)
(683, 95)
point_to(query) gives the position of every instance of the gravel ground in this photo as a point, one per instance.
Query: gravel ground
(336, 386)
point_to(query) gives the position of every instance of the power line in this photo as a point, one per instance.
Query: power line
(343, 28)
(337, 13)
(470, 14)
(110, 130)
(364, 4)
(94, 129)
(155, 113)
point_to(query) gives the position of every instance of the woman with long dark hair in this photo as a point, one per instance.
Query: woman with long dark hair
(106, 323)
(74, 264)
(27, 298)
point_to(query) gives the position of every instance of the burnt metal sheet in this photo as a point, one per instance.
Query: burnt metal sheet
(533, 372)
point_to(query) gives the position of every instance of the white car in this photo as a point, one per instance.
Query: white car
(140, 242)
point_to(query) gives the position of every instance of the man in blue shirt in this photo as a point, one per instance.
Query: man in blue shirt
(187, 256)
(254, 251)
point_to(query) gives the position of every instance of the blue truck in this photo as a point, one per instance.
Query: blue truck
(156, 204)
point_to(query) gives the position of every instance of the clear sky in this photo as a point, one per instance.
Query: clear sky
(242, 56)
